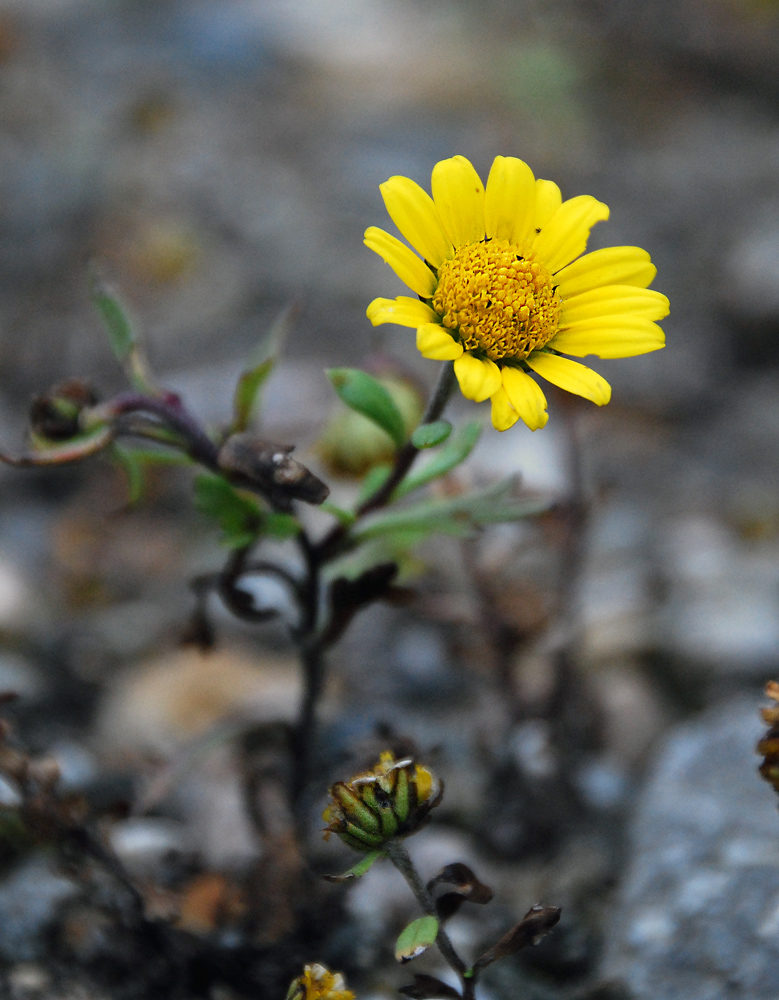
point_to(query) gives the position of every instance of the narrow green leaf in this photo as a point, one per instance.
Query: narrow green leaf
(281, 526)
(116, 320)
(458, 516)
(344, 517)
(373, 481)
(239, 516)
(357, 870)
(263, 359)
(135, 461)
(429, 435)
(416, 938)
(448, 458)
(365, 394)
(246, 390)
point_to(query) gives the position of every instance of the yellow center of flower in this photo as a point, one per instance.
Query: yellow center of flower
(499, 298)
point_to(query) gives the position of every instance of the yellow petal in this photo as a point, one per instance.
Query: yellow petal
(458, 194)
(510, 200)
(403, 310)
(478, 379)
(503, 413)
(565, 235)
(526, 396)
(548, 200)
(571, 376)
(613, 300)
(404, 262)
(609, 337)
(413, 212)
(433, 341)
(611, 266)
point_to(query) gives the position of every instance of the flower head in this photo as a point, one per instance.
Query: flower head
(391, 800)
(503, 289)
(318, 983)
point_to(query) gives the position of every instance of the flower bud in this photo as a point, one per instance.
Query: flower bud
(352, 445)
(392, 800)
(318, 983)
(56, 415)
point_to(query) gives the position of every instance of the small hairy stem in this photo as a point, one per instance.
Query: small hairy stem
(400, 858)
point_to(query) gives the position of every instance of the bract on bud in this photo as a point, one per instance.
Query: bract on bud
(318, 983)
(393, 799)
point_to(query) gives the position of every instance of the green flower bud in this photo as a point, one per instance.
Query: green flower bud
(394, 799)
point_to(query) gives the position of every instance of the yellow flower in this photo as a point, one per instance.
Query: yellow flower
(393, 799)
(318, 983)
(503, 289)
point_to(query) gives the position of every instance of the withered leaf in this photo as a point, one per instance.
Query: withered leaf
(536, 924)
(467, 884)
(429, 988)
(348, 596)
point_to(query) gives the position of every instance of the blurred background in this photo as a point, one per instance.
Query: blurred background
(220, 160)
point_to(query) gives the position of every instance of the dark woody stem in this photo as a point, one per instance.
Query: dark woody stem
(400, 858)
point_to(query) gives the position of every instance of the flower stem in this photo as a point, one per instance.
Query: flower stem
(400, 858)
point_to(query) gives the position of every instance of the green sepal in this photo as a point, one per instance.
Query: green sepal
(416, 938)
(368, 795)
(389, 821)
(400, 800)
(430, 435)
(374, 839)
(456, 451)
(365, 394)
(354, 807)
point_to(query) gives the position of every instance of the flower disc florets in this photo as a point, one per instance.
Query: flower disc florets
(392, 800)
(318, 983)
(499, 298)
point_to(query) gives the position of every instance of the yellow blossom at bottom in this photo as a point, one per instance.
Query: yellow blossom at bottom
(504, 288)
(318, 983)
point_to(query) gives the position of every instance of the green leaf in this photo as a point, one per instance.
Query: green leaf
(365, 394)
(281, 526)
(448, 458)
(429, 435)
(261, 363)
(357, 870)
(344, 517)
(458, 516)
(238, 515)
(116, 320)
(135, 461)
(373, 481)
(415, 939)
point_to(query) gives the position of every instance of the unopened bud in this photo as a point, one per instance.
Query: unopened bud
(269, 469)
(56, 416)
(392, 800)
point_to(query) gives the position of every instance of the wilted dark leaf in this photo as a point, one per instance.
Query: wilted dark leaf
(536, 924)
(468, 885)
(348, 596)
(269, 469)
(429, 988)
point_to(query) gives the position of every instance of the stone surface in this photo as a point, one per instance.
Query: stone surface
(697, 916)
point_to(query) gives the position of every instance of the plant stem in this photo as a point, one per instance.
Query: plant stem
(400, 858)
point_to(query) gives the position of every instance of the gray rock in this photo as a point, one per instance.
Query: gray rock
(697, 917)
(29, 902)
